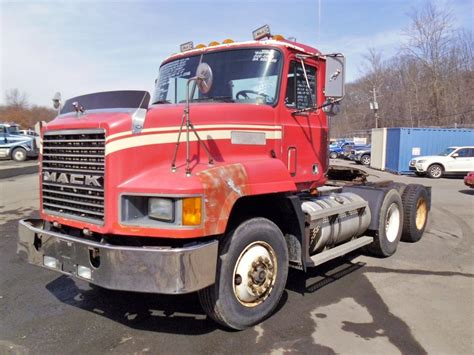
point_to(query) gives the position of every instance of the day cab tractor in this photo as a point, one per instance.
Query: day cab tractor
(217, 184)
(15, 145)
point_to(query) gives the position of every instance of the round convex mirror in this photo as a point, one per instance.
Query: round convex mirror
(204, 78)
(57, 100)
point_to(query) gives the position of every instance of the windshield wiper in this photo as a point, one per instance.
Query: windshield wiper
(161, 102)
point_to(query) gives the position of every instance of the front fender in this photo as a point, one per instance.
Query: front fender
(224, 185)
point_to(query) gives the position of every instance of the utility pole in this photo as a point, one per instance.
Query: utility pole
(374, 106)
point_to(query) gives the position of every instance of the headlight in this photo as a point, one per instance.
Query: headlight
(161, 208)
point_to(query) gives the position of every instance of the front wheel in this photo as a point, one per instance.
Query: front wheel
(365, 159)
(19, 154)
(251, 275)
(435, 171)
(333, 155)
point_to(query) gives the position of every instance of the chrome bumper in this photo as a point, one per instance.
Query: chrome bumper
(144, 269)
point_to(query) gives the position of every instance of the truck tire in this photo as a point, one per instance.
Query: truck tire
(251, 275)
(19, 154)
(390, 228)
(333, 155)
(415, 212)
(434, 171)
(365, 159)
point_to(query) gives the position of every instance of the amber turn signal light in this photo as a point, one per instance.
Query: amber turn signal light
(192, 211)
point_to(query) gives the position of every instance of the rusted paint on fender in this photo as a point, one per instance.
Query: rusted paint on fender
(223, 185)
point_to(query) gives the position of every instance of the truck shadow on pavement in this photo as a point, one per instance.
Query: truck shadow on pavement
(359, 288)
(160, 313)
(182, 314)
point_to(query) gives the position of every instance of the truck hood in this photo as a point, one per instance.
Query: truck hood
(120, 121)
(113, 121)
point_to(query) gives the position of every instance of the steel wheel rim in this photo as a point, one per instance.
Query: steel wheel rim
(18, 155)
(421, 213)
(435, 171)
(254, 274)
(392, 222)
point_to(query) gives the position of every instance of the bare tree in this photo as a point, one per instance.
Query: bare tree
(16, 99)
(429, 83)
(429, 36)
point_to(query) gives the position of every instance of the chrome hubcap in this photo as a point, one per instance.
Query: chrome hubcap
(392, 222)
(255, 274)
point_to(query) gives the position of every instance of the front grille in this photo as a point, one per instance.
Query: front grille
(73, 174)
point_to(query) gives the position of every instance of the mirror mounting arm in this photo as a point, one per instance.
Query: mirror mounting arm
(306, 111)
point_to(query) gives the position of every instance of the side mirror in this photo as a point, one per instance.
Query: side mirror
(335, 76)
(57, 101)
(332, 109)
(455, 155)
(204, 78)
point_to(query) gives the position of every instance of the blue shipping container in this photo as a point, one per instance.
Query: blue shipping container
(403, 144)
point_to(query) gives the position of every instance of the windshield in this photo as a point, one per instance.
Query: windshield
(13, 130)
(244, 75)
(447, 151)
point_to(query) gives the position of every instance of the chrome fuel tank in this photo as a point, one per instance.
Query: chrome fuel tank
(335, 219)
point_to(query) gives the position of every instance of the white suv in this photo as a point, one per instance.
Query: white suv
(453, 160)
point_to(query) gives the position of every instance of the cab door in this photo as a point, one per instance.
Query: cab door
(305, 147)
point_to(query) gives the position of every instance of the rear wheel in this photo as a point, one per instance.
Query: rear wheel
(435, 171)
(390, 228)
(251, 275)
(19, 154)
(415, 212)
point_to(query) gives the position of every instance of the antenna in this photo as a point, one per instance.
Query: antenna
(319, 21)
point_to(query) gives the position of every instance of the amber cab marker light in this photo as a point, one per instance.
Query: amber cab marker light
(192, 211)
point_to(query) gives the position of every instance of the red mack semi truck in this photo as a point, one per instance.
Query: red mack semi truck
(218, 183)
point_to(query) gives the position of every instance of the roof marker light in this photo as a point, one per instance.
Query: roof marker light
(186, 46)
(228, 41)
(213, 43)
(278, 37)
(200, 45)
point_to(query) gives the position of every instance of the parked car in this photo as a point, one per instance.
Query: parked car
(469, 179)
(362, 156)
(14, 145)
(350, 148)
(336, 149)
(28, 132)
(453, 160)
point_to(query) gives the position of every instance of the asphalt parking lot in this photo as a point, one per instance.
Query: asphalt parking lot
(419, 300)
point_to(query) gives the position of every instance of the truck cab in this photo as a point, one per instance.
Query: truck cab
(14, 145)
(215, 183)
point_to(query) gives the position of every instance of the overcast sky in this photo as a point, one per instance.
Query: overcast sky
(77, 47)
